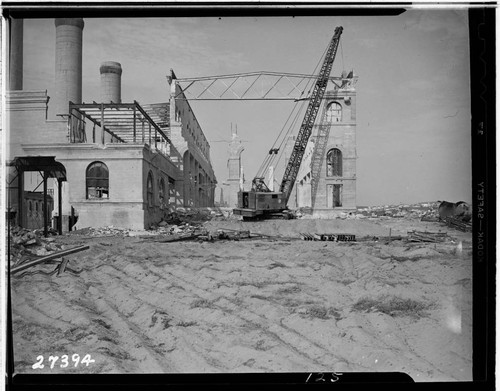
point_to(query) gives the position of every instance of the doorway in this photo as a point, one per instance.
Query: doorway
(334, 195)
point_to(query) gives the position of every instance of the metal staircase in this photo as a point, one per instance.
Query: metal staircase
(318, 155)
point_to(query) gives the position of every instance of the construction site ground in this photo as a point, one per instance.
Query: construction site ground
(141, 305)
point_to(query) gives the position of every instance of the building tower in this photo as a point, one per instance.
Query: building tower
(235, 178)
(68, 73)
(327, 179)
(111, 74)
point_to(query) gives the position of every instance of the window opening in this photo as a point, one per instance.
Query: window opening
(97, 179)
(161, 193)
(334, 112)
(149, 186)
(334, 195)
(334, 162)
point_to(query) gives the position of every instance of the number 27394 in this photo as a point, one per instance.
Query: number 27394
(63, 362)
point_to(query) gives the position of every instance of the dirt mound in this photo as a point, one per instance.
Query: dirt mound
(293, 228)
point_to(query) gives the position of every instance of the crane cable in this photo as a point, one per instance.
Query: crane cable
(270, 157)
(342, 55)
(321, 60)
(276, 151)
(288, 133)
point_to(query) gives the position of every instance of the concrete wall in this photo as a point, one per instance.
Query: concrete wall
(161, 169)
(128, 167)
(198, 179)
(26, 116)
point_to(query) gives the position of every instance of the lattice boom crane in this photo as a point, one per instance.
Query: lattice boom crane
(260, 202)
(293, 165)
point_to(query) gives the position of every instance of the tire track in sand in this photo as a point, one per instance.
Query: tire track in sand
(298, 343)
(132, 339)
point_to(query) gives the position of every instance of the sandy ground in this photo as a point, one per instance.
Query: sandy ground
(140, 306)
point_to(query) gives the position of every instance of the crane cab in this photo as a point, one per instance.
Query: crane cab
(254, 204)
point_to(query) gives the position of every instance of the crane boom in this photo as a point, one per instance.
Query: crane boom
(299, 147)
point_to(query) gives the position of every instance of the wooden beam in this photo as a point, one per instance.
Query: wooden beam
(102, 122)
(106, 105)
(146, 115)
(20, 198)
(59, 206)
(45, 208)
(135, 132)
(49, 257)
(98, 123)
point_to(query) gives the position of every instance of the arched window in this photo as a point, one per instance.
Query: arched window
(334, 112)
(334, 162)
(161, 193)
(97, 179)
(171, 191)
(149, 186)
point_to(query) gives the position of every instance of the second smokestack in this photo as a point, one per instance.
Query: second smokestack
(111, 87)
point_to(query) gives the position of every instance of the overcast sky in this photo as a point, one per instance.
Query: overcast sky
(413, 101)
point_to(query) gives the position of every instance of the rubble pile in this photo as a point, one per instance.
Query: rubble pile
(223, 215)
(188, 215)
(25, 244)
(185, 228)
(101, 231)
(184, 218)
(423, 211)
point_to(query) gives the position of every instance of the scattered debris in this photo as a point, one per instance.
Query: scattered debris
(380, 238)
(173, 237)
(101, 231)
(458, 224)
(230, 235)
(240, 235)
(423, 236)
(62, 265)
(187, 215)
(329, 237)
(190, 232)
(426, 211)
(25, 243)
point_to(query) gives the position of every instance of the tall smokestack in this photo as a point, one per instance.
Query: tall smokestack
(16, 55)
(111, 82)
(69, 32)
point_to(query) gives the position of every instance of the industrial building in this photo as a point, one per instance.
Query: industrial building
(101, 163)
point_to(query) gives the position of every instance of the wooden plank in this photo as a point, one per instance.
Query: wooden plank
(46, 258)
(62, 266)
